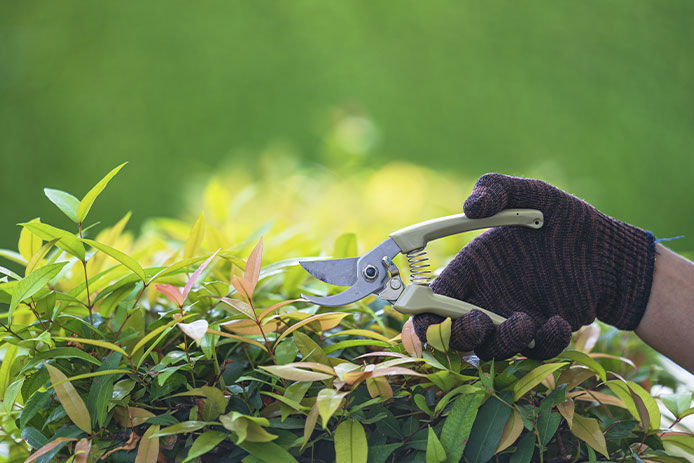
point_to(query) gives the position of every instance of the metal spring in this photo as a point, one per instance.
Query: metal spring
(420, 270)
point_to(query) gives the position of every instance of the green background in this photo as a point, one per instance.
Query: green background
(594, 95)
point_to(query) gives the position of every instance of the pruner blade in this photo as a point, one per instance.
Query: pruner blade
(365, 275)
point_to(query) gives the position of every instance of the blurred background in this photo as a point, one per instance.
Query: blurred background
(593, 96)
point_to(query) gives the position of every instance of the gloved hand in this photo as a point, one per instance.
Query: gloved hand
(548, 282)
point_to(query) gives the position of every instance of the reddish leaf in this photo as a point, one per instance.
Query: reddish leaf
(48, 447)
(252, 272)
(173, 293)
(410, 340)
(196, 274)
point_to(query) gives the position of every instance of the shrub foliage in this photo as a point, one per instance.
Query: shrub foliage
(164, 349)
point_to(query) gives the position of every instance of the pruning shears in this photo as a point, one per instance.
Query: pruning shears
(375, 272)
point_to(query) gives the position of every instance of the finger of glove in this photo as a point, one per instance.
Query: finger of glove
(550, 339)
(509, 338)
(422, 321)
(495, 192)
(470, 330)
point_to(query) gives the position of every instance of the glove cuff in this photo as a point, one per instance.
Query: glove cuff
(625, 263)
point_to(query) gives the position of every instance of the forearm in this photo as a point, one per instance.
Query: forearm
(668, 323)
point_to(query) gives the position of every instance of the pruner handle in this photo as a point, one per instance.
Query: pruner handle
(417, 299)
(418, 235)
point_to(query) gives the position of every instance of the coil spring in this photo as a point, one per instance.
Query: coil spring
(420, 270)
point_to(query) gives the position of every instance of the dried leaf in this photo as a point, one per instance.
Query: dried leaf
(274, 307)
(296, 374)
(48, 447)
(379, 387)
(588, 430)
(82, 448)
(512, 431)
(148, 450)
(410, 340)
(310, 424)
(566, 409)
(70, 400)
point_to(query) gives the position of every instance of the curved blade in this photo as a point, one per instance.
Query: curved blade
(340, 272)
(347, 296)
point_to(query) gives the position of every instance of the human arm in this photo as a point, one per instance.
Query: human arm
(668, 322)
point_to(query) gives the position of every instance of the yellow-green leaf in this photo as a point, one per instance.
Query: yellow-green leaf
(70, 400)
(28, 243)
(148, 450)
(65, 202)
(533, 378)
(588, 430)
(310, 424)
(31, 284)
(350, 443)
(585, 360)
(195, 237)
(512, 431)
(120, 256)
(439, 335)
(327, 320)
(329, 400)
(86, 203)
(67, 241)
(93, 342)
(38, 256)
(158, 330)
(638, 401)
(295, 374)
(435, 452)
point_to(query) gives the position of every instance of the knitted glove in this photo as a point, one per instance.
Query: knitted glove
(548, 282)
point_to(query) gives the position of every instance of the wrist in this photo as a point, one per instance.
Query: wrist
(625, 261)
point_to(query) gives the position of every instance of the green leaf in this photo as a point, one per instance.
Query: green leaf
(142, 342)
(67, 241)
(6, 366)
(547, 425)
(439, 335)
(11, 393)
(120, 256)
(350, 443)
(38, 401)
(195, 237)
(310, 350)
(456, 428)
(204, 443)
(182, 427)
(588, 430)
(435, 452)
(268, 452)
(148, 450)
(328, 401)
(487, 430)
(86, 204)
(533, 378)
(677, 403)
(525, 449)
(101, 392)
(70, 400)
(247, 428)
(585, 360)
(31, 284)
(65, 202)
